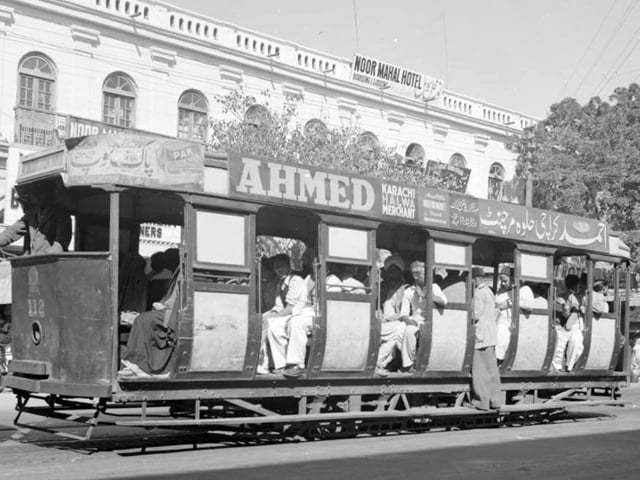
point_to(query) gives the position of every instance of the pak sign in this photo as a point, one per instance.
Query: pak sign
(399, 80)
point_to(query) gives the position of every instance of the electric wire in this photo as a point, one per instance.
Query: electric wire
(623, 19)
(588, 49)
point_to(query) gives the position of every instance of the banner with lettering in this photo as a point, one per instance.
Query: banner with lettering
(398, 80)
(542, 226)
(451, 177)
(127, 159)
(321, 189)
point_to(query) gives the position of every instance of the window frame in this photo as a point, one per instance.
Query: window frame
(119, 96)
(28, 96)
(193, 113)
(496, 178)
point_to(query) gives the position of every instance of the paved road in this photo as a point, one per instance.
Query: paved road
(601, 442)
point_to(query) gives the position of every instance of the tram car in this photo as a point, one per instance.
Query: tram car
(70, 328)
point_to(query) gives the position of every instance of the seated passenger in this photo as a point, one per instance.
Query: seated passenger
(599, 303)
(153, 336)
(268, 285)
(350, 284)
(159, 278)
(333, 281)
(569, 340)
(415, 296)
(132, 283)
(533, 296)
(291, 294)
(394, 309)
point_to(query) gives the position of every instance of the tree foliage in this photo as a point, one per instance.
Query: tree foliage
(280, 134)
(585, 160)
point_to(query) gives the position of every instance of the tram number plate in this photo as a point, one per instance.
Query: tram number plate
(36, 307)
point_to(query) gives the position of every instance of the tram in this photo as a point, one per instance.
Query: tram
(68, 336)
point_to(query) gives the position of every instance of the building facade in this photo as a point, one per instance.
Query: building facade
(76, 67)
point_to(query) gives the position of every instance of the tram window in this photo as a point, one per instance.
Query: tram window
(220, 238)
(347, 243)
(535, 266)
(453, 284)
(450, 254)
(347, 278)
(533, 296)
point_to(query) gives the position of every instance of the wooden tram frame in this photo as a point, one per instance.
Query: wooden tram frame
(349, 402)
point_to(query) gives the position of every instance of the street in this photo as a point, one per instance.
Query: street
(594, 442)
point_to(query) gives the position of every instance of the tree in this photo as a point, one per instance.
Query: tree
(280, 134)
(584, 160)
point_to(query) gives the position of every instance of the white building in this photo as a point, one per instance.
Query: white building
(72, 67)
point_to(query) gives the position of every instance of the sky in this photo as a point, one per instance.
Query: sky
(523, 55)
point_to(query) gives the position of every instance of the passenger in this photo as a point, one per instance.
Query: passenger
(291, 292)
(132, 284)
(533, 296)
(46, 227)
(569, 340)
(454, 285)
(350, 284)
(301, 322)
(484, 369)
(5, 338)
(333, 281)
(268, 285)
(503, 317)
(416, 297)
(635, 361)
(159, 278)
(599, 303)
(153, 336)
(394, 310)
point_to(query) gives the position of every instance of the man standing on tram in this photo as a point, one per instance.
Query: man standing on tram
(484, 369)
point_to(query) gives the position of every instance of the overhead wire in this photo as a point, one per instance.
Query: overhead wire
(619, 63)
(616, 30)
(588, 49)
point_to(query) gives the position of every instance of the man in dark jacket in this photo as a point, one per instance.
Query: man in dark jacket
(45, 226)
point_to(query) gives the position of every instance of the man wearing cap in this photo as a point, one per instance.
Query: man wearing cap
(394, 310)
(484, 369)
(416, 297)
(45, 227)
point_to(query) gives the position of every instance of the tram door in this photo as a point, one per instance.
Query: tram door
(446, 338)
(346, 336)
(220, 333)
(532, 341)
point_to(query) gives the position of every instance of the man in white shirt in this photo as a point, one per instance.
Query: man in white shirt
(291, 299)
(414, 304)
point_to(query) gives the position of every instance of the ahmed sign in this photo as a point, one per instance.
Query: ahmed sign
(398, 79)
(281, 183)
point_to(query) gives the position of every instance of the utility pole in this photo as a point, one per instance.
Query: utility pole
(528, 148)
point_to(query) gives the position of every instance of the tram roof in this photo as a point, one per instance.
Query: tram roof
(171, 164)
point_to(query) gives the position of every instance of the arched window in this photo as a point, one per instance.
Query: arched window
(496, 179)
(458, 160)
(37, 76)
(368, 141)
(414, 155)
(315, 128)
(118, 100)
(193, 111)
(257, 116)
